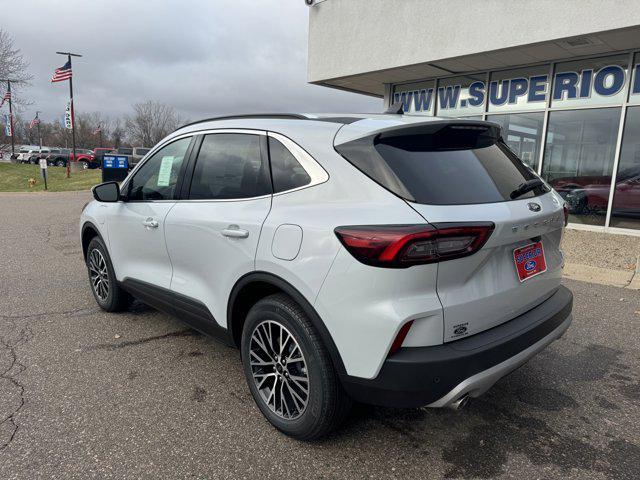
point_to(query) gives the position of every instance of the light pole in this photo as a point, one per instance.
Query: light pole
(38, 125)
(73, 120)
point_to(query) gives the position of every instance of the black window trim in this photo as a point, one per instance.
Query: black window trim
(125, 187)
(316, 172)
(188, 177)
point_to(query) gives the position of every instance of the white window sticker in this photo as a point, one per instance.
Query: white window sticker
(164, 175)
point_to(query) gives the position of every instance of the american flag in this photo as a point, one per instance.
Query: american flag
(34, 122)
(63, 73)
(7, 96)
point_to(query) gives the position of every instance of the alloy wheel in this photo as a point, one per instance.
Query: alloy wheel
(99, 274)
(279, 370)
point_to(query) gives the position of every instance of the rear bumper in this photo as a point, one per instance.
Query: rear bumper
(439, 376)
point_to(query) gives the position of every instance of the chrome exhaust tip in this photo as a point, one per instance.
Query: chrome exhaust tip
(460, 403)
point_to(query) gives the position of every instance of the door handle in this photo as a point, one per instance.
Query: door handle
(150, 223)
(233, 231)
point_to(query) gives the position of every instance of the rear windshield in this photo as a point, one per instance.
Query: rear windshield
(442, 164)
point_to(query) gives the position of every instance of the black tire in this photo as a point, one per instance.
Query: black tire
(60, 163)
(116, 299)
(327, 402)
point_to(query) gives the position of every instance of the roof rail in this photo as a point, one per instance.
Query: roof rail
(291, 116)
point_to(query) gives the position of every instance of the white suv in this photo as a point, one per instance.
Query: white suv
(390, 259)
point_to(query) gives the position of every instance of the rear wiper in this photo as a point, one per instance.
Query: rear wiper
(526, 187)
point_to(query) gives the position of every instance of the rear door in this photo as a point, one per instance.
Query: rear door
(212, 234)
(459, 173)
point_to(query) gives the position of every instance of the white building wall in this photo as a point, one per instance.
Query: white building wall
(348, 37)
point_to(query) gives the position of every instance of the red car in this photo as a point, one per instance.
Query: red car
(591, 194)
(98, 153)
(84, 156)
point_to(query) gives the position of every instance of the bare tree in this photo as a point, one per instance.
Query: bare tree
(150, 123)
(13, 66)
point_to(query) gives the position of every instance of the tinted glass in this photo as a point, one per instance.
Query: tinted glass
(454, 168)
(229, 165)
(522, 132)
(626, 201)
(286, 171)
(578, 160)
(157, 177)
(142, 151)
(125, 151)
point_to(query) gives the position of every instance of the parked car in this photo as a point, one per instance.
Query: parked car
(55, 157)
(25, 156)
(85, 157)
(590, 194)
(98, 154)
(404, 261)
(133, 154)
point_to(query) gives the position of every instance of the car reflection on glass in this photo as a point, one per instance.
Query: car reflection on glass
(590, 194)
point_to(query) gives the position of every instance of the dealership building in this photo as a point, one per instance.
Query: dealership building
(561, 78)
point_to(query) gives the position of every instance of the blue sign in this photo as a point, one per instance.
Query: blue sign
(115, 161)
(588, 85)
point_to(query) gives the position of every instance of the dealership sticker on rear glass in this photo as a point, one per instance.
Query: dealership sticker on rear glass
(529, 261)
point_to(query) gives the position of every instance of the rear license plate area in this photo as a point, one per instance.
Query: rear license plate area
(529, 261)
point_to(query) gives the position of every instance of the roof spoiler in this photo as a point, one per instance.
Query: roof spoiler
(396, 108)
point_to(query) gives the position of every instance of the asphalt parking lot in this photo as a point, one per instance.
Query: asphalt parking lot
(85, 394)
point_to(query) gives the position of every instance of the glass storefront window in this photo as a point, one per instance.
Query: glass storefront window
(578, 160)
(461, 96)
(523, 133)
(519, 89)
(634, 93)
(416, 97)
(625, 212)
(595, 82)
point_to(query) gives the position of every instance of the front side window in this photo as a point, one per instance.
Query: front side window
(286, 171)
(157, 177)
(230, 166)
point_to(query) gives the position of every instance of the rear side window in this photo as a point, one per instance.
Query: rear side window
(286, 171)
(442, 165)
(230, 166)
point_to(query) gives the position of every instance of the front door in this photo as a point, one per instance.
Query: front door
(136, 225)
(213, 235)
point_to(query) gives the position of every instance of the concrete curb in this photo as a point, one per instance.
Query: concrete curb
(603, 276)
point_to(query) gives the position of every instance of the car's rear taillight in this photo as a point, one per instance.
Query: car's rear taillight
(566, 214)
(401, 246)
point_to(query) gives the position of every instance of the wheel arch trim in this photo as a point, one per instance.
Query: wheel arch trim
(86, 226)
(307, 307)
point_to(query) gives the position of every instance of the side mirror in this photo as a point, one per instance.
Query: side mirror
(106, 192)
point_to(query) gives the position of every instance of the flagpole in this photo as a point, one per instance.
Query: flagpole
(13, 150)
(73, 120)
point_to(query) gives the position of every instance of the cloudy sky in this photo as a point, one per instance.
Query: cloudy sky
(203, 57)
